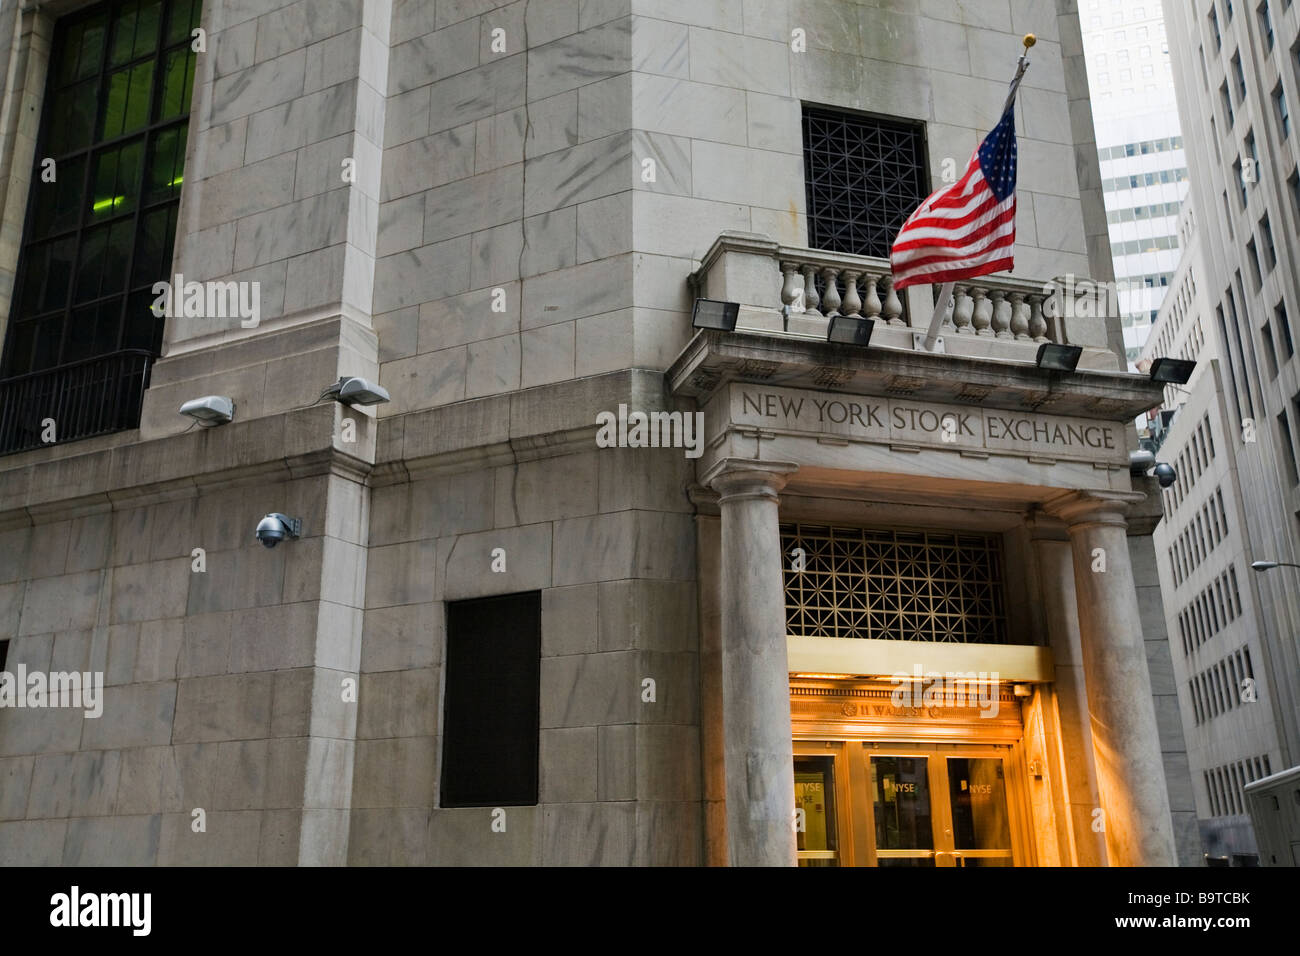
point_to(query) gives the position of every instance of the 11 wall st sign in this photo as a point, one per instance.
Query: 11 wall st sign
(906, 422)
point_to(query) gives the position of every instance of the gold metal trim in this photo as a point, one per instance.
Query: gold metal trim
(857, 657)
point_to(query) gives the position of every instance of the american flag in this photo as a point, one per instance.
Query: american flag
(967, 229)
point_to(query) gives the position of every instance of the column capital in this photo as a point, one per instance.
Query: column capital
(747, 477)
(1092, 508)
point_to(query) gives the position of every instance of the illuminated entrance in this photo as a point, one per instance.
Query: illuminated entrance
(869, 804)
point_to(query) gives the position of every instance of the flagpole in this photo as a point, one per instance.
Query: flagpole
(945, 291)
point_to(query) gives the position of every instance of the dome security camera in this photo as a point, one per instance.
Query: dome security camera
(275, 527)
(1165, 474)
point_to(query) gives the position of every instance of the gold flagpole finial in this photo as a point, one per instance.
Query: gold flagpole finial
(1030, 40)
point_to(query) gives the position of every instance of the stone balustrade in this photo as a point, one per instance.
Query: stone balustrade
(1001, 307)
(789, 290)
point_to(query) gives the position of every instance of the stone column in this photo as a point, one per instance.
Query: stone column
(1077, 790)
(758, 751)
(1125, 738)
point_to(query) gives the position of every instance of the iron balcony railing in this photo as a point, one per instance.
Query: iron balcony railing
(95, 396)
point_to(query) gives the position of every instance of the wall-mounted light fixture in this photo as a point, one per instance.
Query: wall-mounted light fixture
(354, 390)
(850, 330)
(713, 314)
(1058, 358)
(210, 410)
(1172, 371)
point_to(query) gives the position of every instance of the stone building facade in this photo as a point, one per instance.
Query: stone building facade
(501, 213)
(1225, 675)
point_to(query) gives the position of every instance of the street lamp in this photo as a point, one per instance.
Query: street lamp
(1270, 565)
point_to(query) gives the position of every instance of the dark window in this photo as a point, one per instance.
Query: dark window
(1288, 448)
(114, 122)
(4, 654)
(865, 176)
(1284, 328)
(490, 713)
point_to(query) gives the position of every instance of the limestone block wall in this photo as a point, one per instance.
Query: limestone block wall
(221, 685)
(606, 536)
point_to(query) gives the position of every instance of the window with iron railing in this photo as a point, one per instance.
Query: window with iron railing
(101, 218)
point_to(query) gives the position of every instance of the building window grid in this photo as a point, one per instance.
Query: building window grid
(115, 121)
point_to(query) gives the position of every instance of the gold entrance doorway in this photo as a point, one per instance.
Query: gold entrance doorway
(919, 783)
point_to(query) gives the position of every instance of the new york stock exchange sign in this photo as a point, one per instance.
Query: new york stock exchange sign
(906, 422)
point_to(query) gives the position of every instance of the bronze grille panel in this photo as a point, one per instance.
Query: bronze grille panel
(894, 585)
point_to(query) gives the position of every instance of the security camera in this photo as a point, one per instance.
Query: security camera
(275, 527)
(1165, 474)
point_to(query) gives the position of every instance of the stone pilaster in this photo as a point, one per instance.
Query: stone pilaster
(755, 673)
(1125, 738)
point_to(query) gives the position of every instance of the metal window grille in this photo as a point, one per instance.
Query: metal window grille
(865, 176)
(894, 585)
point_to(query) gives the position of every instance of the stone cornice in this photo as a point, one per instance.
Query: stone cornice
(714, 358)
(105, 473)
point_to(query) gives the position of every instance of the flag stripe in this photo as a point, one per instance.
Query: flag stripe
(943, 238)
(1004, 236)
(957, 274)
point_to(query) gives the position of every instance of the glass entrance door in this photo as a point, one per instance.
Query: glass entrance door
(977, 805)
(944, 805)
(877, 804)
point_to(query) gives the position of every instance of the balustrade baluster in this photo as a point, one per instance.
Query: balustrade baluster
(893, 307)
(791, 293)
(963, 307)
(810, 298)
(1019, 315)
(871, 305)
(983, 316)
(830, 295)
(1037, 323)
(852, 304)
